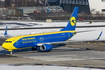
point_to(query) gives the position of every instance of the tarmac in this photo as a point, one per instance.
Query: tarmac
(81, 54)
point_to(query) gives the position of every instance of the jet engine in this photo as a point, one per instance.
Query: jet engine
(44, 48)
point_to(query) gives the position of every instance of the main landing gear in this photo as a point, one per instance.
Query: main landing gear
(33, 48)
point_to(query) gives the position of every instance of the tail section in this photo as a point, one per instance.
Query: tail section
(5, 33)
(72, 21)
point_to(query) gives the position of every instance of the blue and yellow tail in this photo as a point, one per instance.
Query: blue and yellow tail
(72, 21)
(5, 33)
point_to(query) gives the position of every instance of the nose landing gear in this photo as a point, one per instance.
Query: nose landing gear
(10, 51)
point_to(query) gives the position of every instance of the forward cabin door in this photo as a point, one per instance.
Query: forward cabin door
(17, 42)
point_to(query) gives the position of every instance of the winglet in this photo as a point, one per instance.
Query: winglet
(5, 33)
(99, 36)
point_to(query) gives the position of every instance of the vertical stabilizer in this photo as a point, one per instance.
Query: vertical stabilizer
(5, 33)
(72, 21)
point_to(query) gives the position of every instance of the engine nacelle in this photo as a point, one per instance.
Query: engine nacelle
(44, 48)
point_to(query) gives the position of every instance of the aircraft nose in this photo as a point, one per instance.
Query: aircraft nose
(8, 46)
(4, 46)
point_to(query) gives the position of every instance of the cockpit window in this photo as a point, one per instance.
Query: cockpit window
(8, 41)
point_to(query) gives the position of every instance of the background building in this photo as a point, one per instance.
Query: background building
(25, 3)
(53, 9)
(68, 5)
(85, 6)
(97, 6)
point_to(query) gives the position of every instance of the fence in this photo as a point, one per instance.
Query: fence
(55, 16)
(65, 16)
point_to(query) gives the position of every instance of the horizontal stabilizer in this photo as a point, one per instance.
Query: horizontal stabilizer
(84, 31)
(99, 35)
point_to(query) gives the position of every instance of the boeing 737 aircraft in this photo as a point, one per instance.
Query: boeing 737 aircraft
(42, 42)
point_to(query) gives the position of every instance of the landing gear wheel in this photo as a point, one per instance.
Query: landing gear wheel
(33, 48)
(11, 52)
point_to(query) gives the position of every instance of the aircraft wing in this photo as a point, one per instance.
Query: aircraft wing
(84, 31)
(8, 36)
(80, 40)
(70, 41)
(46, 46)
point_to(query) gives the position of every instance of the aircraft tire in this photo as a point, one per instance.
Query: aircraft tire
(33, 48)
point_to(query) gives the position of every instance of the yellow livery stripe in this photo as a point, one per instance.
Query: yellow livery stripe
(18, 37)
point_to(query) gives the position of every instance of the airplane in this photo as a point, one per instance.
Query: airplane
(43, 42)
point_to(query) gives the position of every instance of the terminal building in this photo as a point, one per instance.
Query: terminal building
(85, 6)
(68, 5)
(97, 6)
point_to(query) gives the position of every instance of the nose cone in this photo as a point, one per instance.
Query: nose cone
(4, 45)
(8, 46)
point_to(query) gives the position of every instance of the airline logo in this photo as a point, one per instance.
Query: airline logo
(73, 21)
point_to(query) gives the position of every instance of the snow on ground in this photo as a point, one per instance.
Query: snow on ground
(44, 24)
(30, 67)
(79, 36)
(55, 24)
